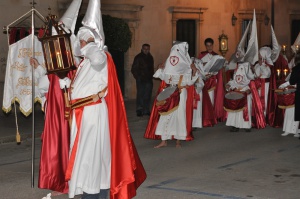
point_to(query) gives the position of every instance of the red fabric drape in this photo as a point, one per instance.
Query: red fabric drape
(275, 115)
(260, 83)
(208, 115)
(154, 117)
(196, 99)
(12, 35)
(189, 112)
(170, 103)
(22, 33)
(220, 113)
(127, 171)
(55, 141)
(259, 121)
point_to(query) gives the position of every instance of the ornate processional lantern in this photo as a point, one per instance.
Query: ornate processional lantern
(57, 48)
(58, 54)
(223, 43)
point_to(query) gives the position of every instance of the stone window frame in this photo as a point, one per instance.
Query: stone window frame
(188, 13)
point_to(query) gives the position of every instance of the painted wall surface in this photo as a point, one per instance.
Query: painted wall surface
(151, 22)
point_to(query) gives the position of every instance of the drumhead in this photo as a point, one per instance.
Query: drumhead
(166, 93)
(234, 95)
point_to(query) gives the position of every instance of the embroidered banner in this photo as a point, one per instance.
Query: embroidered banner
(18, 77)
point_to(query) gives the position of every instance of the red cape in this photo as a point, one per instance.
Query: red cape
(127, 171)
(210, 113)
(275, 115)
(154, 117)
(55, 141)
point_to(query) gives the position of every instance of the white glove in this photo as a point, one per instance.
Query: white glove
(65, 82)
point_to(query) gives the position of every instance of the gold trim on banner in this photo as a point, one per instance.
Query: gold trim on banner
(22, 110)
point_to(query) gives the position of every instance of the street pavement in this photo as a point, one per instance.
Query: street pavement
(217, 164)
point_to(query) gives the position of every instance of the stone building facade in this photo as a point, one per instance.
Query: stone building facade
(156, 22)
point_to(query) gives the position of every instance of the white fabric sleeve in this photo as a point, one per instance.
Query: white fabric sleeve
(39, 71)
(199, 85)
(43, 85)
(97, 57)
(266, 71)
(159, 74)
(291, 64)
(282, 86)
(257, 70)
(245, 88)
(194, 79)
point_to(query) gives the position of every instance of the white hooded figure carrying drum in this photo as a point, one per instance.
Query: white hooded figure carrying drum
(179, 72)
(238, 100)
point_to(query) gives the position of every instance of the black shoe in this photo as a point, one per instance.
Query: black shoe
(233, 129)
(139, 113)
(248, 130)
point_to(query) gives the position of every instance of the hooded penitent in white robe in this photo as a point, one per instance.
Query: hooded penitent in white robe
(263, 71)
(177, 64)
(290, 126)
(92, 166)
(241, 80)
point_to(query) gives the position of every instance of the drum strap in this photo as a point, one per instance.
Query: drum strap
(179, 83)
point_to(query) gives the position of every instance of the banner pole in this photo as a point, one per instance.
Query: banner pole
(33, 96)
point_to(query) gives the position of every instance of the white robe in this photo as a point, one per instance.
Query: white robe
(197, 113)
(92, 166)
(174, 124)
(290, 126)
(211, 93)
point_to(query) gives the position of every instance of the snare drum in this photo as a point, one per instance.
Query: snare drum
(168, 100)
(286, 97)
(235, 101)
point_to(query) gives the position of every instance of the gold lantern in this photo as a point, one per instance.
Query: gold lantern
(223, 43)
(57, 48)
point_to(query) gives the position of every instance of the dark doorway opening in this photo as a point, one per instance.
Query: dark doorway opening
(295, 30)
(186, 31)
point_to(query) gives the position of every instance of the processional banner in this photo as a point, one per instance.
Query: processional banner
(18, 76)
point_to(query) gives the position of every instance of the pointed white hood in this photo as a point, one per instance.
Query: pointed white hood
(93, 22)
(297, 42)
(179, 60)
(276, 48)
(240, 51)
(251, 55)
(70, 17)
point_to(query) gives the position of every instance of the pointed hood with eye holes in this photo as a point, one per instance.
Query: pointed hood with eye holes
(179, 60)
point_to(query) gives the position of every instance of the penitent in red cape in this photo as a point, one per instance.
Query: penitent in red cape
(127, 171)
